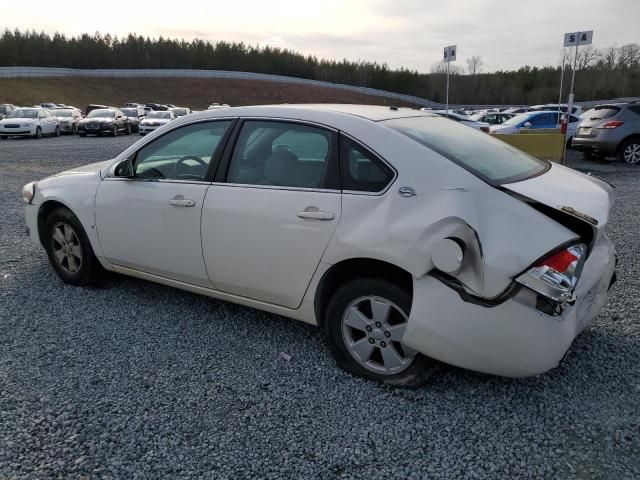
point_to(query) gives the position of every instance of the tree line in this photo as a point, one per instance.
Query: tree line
(602, 74)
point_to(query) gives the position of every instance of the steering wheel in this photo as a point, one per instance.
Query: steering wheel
(195, 158)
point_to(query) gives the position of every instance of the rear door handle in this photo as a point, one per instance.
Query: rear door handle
(180, 201)
(316, 214)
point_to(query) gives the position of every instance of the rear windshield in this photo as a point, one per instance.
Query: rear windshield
(600, 113)
(486, 157)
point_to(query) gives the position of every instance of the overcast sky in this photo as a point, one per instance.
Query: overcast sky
(410, 33)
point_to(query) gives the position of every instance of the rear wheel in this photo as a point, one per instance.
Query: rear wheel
(74, 130)
(68, 248)
(364, 323)
(82, 134)
(629, 151)
(128, 129)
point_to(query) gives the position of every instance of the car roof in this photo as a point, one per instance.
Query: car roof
(375, 113)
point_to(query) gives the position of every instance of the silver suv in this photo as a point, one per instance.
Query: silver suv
(611, 129)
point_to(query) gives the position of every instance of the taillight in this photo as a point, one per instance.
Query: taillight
(556, 276)
(612, 124)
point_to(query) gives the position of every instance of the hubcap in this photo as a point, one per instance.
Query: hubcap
(372, 329)
(632, 153)
(66, 248)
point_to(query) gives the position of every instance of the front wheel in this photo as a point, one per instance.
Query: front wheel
(69, 249)
(629, 152)
(114, 132)
(365, 321)
(128, 129)
(57, 132)
(38, 132)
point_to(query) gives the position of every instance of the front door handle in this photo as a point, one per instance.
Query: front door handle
(180, 201)
(316, 214)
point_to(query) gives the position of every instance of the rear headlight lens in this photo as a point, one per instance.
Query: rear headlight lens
(556, 276)
(28, 191)
(612, 124)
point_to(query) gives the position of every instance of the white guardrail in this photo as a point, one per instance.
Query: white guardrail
(22, 72)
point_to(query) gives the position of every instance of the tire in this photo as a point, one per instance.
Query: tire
(57, 132)
(73, 261)
(114, 132)
(128, 129)
(3, 137)
(38, 132)
(382, 358)
(82, 134)
(629, 151)
(74, 130)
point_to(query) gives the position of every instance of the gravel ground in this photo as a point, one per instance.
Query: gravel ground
(136, 380)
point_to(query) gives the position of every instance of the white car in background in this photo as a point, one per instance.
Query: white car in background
(29, 122)
(463, 119)
(68, 119)
(404, 235)
(154, 120)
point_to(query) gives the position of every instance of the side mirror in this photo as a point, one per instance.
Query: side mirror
(527, 124)
(124, 169)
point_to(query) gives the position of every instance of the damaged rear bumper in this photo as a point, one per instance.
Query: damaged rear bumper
(512, 338)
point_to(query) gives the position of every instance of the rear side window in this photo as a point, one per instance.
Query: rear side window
(600, 113)
(492, 160)
(361, 170)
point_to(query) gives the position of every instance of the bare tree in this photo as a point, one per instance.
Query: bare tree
(629, 56)
(587, 57)
(474, 64)
(441, 67)
(610, 57)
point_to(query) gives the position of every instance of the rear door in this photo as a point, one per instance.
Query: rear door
(269, 218)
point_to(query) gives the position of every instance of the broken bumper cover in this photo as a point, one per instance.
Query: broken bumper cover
(511, 339)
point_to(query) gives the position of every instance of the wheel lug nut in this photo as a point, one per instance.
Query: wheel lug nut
(383, 344)
(387, 334)
(371, 340)
(368, 328)
(378, 324)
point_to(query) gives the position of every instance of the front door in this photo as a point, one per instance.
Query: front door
(152, 221)
(266, 227)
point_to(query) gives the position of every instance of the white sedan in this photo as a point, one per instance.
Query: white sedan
(405, 236)
(155, 120)
(29, 122)
(462, 119)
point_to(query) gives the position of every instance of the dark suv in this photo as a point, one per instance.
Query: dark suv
(611, 129)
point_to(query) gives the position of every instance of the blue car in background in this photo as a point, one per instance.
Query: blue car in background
(536, 120)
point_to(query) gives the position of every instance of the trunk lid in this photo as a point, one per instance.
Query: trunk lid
(583, 196)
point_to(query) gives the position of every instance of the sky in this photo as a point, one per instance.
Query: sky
(507, 34)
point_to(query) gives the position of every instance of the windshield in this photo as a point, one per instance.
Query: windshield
(63, 113)
(101, 112)
(23, 113)
(486, 157)
(179, 112)
(523, 117)
(130, 112)
(159, 115)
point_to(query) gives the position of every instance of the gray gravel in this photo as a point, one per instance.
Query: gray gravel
(136, 380)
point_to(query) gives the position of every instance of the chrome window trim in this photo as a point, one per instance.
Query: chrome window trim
(275, 187)
(155, 180)
(310, 123)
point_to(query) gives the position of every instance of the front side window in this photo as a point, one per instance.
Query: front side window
(182, 154)
(361, 170)
(281, 154)
(492, 160)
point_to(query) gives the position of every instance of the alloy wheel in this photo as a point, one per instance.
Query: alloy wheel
(372, 330)
(631, 153)
(66, 248)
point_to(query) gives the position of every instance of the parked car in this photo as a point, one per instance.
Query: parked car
(49, 106)
(180, 111)
(155, 120)
(492, 118)
(404, 235)
(104, 120)
(155, 107)
(29, 122)
(463, 119)
(135, 115)
(554, 107)
(6, 109)
(516, 110)
(68, 119)
(534, 121)
(610, 129)
(217, 106)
